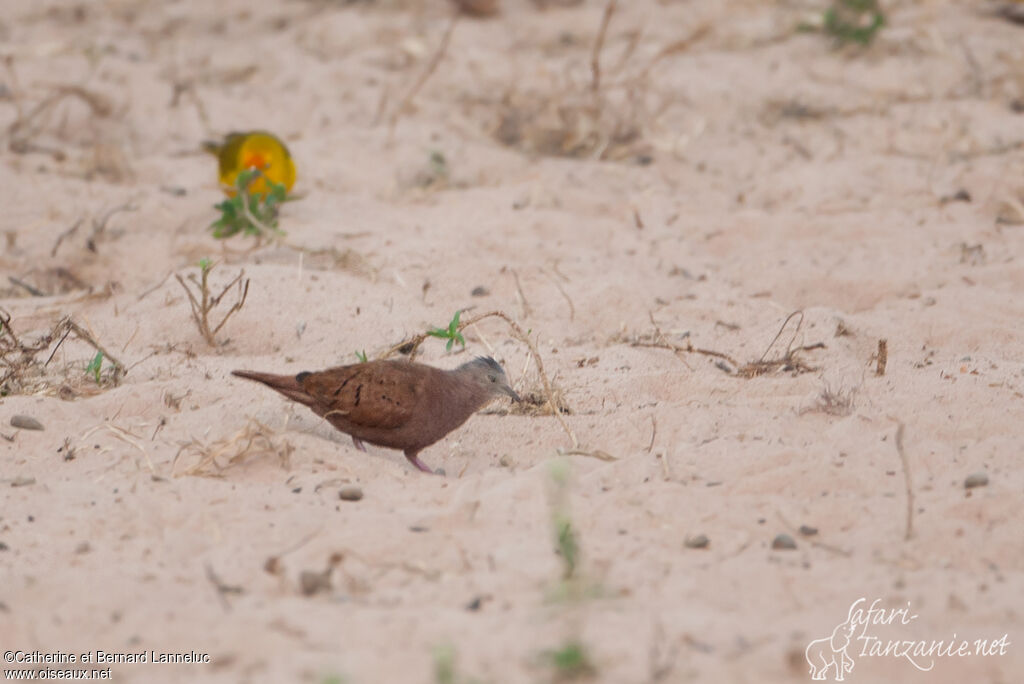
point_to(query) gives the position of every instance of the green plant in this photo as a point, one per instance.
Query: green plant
(853, 21)
(451, 333)
(250, 213)
(361, 355)
(444, 664)
(332, 679)
(565, 535)
(571, 661)
(95, 366)
(438, 165)
(445, 670)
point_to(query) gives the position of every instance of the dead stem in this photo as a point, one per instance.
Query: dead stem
(789, 359)
(906, 481)
(659, 341)
(17, 358)
(205, 303)
(435, 60)
(595, 55)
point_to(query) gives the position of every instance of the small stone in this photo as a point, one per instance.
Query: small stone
(350, 493)
(808, 531)
(4, 546)
(84, 547)
(479, 291)
(699, 541)
(475, 604)
(976, 480)
(783, 542)
(22, 481)
(26, 423)
(313, 582)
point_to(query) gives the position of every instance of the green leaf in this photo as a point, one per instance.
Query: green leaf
(95, 366)
(242, 213)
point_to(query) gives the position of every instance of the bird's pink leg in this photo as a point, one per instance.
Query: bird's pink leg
(359, 444)
(411, 455)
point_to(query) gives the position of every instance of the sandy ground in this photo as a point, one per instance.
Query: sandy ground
(726, 172)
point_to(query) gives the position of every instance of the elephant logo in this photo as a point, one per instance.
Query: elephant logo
(830, 652)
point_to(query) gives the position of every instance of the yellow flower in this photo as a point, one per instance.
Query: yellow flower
(253, 150)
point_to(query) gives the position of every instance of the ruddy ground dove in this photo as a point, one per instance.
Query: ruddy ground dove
(394, 404)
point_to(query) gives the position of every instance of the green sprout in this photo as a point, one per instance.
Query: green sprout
(565, 532)
(332, 678)
(444, 664)
(451, 333)
(445, 669)
(95, 366)
(571, 661)
(854, 21)
(250, 213)
(568, 548)
(439, 165)
(361, 355)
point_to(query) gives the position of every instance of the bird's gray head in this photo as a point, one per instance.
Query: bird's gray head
(488, 374)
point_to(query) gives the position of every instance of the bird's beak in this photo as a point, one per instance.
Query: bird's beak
(510, 392)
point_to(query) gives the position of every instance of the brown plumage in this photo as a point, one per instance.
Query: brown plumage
(394, 404)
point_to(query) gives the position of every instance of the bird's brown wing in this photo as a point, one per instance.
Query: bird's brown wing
(377, 394)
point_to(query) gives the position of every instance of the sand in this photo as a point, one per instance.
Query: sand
(727, 174)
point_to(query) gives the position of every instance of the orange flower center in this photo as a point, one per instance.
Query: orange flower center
(255, 160)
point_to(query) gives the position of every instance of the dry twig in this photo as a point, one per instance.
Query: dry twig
(595, 55)
(425, 76)
(906, 481)
(205, 303)
(21, 371)
(789, 361)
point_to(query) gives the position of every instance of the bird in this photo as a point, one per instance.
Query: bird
(253, 150)
(394, 403)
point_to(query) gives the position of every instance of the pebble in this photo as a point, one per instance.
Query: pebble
(699, 541)
(312, 582)
(783, 542)
(26, 422)
(22, 481)
(479, 291)
(808, 531)
(976, 480)
(350, 493)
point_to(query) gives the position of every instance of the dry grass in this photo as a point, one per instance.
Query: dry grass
(789, 361)
(601, 117)
(23, 371)
(212, 459)
(834, 402)
(93, 142)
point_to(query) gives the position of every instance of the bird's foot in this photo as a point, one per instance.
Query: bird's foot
(359, 444)
(419, 464)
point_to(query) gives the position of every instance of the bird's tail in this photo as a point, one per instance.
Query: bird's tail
(288, 385)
